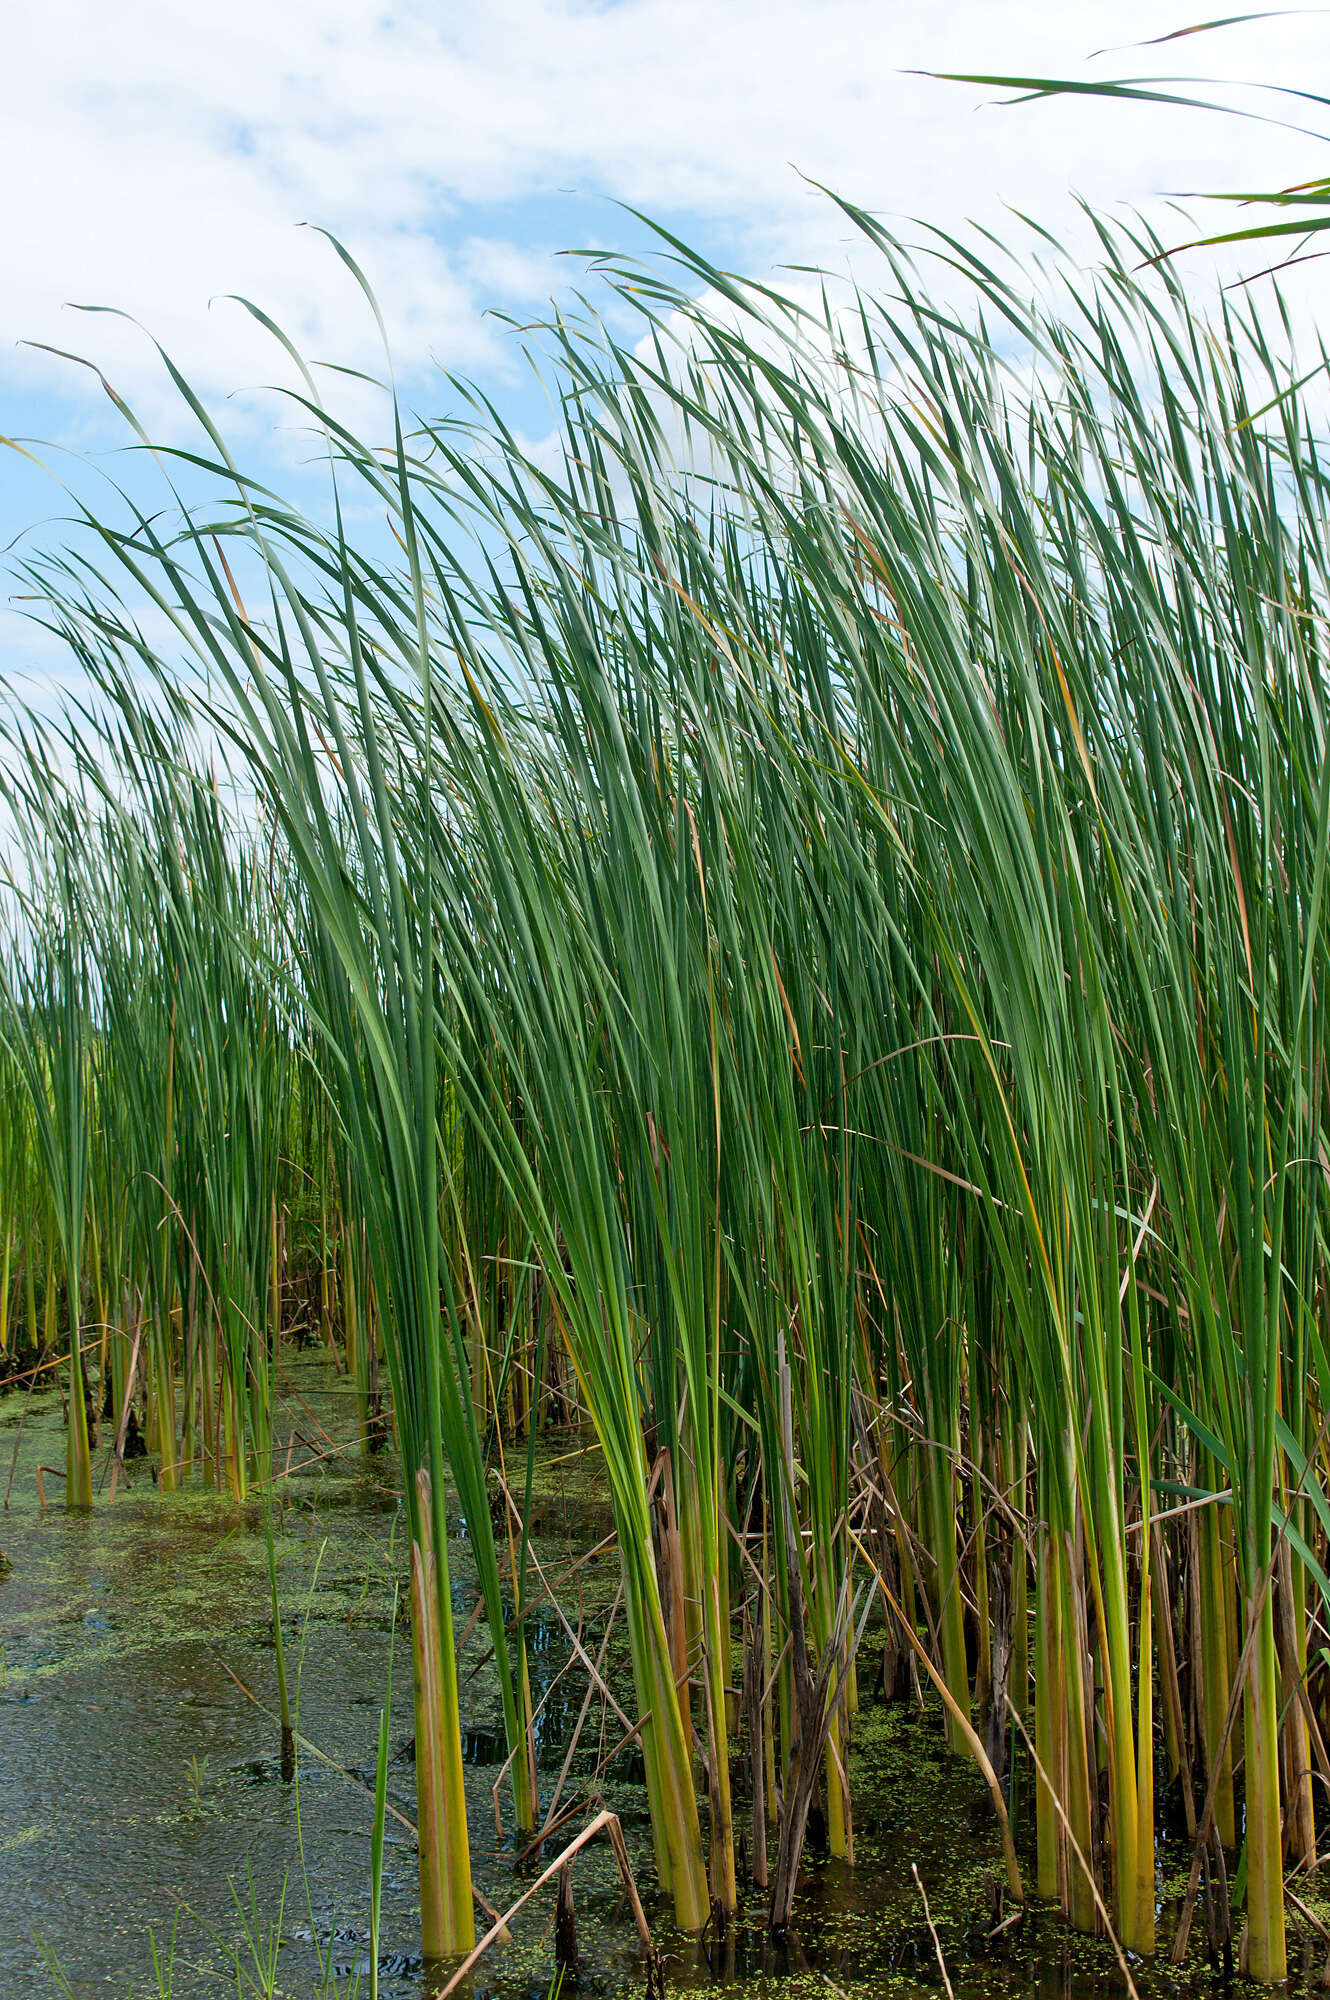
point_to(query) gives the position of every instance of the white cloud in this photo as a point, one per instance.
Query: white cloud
(155, 154)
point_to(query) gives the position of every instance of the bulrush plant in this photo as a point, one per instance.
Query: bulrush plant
(528, 988)
(370, 958)
(804, 907)
(46, 1027)
(1139, 723)
(20, 1241)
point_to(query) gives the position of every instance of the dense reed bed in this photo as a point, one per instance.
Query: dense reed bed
(788, 928)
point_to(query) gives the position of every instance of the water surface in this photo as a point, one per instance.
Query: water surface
(139, 1789)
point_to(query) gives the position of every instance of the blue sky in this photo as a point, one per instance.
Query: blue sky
(157, 156)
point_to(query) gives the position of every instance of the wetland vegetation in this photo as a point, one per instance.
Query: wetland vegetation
(695, 1074)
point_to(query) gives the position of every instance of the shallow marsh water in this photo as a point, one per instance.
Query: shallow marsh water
(139, 1786)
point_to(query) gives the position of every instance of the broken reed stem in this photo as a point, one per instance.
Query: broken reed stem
(604, 1822)
(1077, 1851)
(967, 1729)
(932, 1931)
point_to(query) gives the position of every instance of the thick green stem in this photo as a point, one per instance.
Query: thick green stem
(78, 1452)
(447, 1923)
(1266, 1956)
